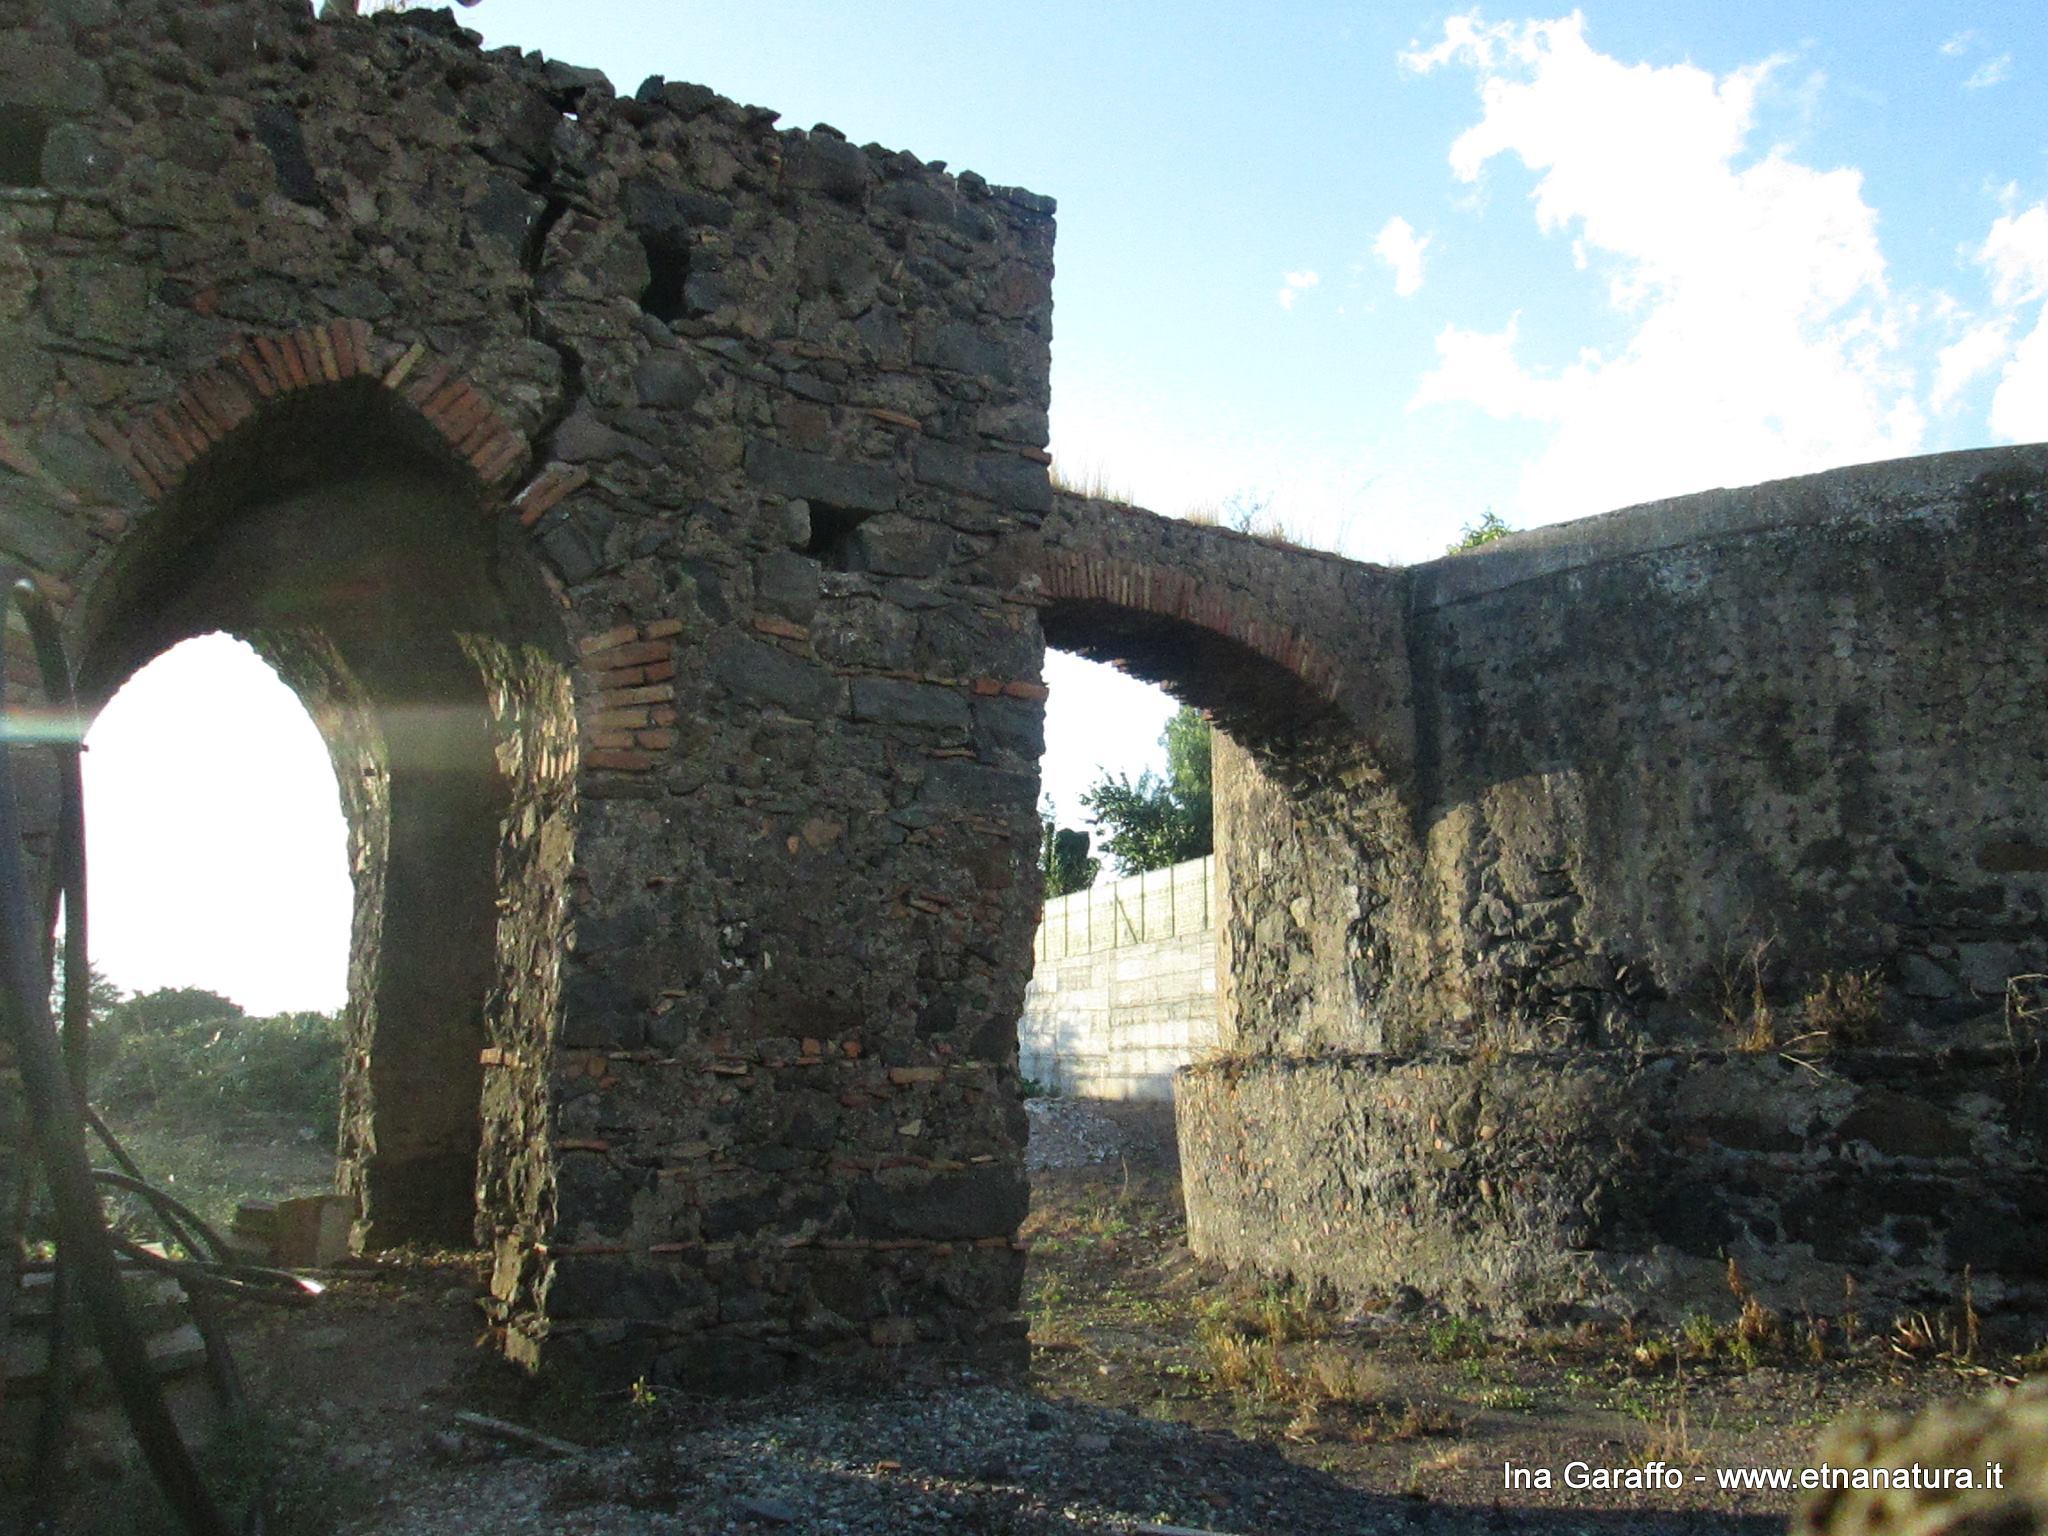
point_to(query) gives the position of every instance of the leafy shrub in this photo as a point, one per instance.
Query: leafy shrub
(180, 1054)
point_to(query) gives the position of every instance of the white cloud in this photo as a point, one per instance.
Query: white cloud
(1762, 339)
(1958, 45)
(1962, 362)
(2015, 255)
(1294, 285)
(1401, 248)
(1990, 72)
(2019, 408)
(1479, 368)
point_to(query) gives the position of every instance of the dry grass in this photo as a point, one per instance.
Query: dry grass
(1092, 482)
(1745, 1009)
(1671, 1442)
(1845, 1006)
(2026, 1006)
(1950, 1336)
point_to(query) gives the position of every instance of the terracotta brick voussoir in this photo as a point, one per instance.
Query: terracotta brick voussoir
(160, 446)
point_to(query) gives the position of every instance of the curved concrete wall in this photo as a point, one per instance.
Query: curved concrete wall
(1801, 722)
(1710, 784)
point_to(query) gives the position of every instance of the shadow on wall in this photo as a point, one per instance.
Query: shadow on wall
(421, 642)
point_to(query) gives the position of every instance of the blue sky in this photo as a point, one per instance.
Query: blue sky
(1389, 265)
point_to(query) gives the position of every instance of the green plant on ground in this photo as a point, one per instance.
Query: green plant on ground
(1508, 1397)
(1700, 1334)
(1455, 1338)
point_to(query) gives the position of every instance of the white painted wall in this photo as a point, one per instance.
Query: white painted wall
(1124, 986)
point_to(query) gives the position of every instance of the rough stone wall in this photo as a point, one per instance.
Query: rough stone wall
(1296, 653)
(1758, 770)
(651, 506)
(1123, 985)
(748, 427)
(1798, 725)
(1543, 1186)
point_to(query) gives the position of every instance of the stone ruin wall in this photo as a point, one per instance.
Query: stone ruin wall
(636, 494)
(1671, 765)
(651, 508)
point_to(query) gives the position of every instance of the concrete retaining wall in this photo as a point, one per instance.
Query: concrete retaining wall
(1548, 1186)
(1123, 989)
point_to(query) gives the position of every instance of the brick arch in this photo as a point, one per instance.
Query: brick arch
(426, 643)
(160, 448)
(1180, 597)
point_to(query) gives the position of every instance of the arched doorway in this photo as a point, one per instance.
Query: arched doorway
(337, 539)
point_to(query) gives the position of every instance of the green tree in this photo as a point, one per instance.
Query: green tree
(102, 997)
(1063, 856)
(172, 1008)
(1491, 526)
(1159, 821)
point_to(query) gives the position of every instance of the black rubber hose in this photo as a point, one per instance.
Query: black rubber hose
(57, 1116)
(68, 884)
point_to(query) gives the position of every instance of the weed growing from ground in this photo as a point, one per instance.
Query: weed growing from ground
(1456, 1338)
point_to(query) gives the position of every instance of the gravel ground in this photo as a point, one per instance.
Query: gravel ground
(973, 1458)
(1070, 1133)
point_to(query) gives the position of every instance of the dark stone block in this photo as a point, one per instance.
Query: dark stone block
(75, 157)
(278, 131)
(37, 75)
(599, 1013)
(972, 787)
(820, 163)
(668, 381)
(570, 550)
(508, 213)
(896, 546)
(740, 1216)
(1015, 726)
(588, 1189)
(1900, 1126)
(574, 80)
(584, 436)
(663, 209)
(766, 674)
(607, 1286)
(688, 100)
(788, 583)
(894, 701)
(1015, 481)
(814, 477)
(1996, 1241)
(982, 1202)
(963, 349)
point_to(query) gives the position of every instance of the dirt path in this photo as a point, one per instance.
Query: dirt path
(1160, 1390)
(1397, 1400)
